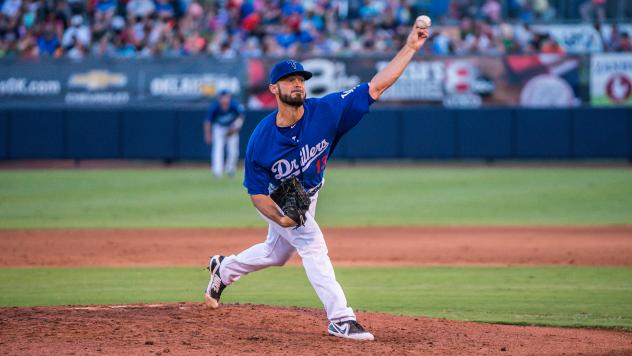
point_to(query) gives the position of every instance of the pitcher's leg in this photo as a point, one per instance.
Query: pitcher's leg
(310, 245)
(275, 251)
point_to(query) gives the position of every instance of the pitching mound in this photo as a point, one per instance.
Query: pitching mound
(188, 328)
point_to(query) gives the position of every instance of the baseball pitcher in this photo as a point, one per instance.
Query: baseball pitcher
(285, 165)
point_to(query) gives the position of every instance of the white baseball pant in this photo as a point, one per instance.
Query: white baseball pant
(280, 243)
(232, 147)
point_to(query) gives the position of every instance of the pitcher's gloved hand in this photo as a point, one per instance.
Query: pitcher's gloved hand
(292, 198)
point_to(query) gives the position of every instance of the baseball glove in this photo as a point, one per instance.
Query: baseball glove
(292, 199)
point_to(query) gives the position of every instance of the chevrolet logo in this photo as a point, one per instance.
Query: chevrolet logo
(97, 79)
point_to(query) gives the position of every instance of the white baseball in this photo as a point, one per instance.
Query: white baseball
(423, 21)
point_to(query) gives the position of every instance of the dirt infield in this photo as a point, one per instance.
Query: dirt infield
(188, 328)
(358, 246)
(247, 329)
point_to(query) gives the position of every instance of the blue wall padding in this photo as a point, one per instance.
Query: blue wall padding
(417, 133)
(37, 134)
(190, 135)
(376, 136)
(429, 133)
(93, 134)
(543, 133)
(4, 134)
(601, 133)
(484, 133)
(149, 134)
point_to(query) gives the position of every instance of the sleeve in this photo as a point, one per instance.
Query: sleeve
(256, 178)
(350, 105)
(239, 108)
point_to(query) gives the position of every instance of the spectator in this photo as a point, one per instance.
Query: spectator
(104, 9)
(549, 45)
(140, 8)
(194, 44)
(251, 22)
(370, 9)
(76, 51)
(118, 24)
(29, 14)
(271, 47)
(136, 30)
(27, 47)
(74, 6)
(593, 7)
(104, 47)
(254, 28)
(293, 7)
(252, 49)
(77, 32)
(164, 9)
(286, 38)
(509, 42)
(543, 10)
(523, 37)
(460, 9)
(10, 8)
(47, 42)
(174, 48)
(491, 11)
(440, 44)
(624, 43)
(122, 48)
(61, 17)
(8, 46)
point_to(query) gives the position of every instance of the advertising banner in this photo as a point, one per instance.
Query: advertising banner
(192, 80)
(574, 39)
(546, 80)
(542, 80)
(120, 82)
(28, 82)
(611, 79)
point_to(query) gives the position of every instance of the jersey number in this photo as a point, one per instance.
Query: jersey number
(320, 164)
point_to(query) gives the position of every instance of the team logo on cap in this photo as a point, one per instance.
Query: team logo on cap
(292, 63)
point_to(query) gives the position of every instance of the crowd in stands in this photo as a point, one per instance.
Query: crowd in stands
(279, 28)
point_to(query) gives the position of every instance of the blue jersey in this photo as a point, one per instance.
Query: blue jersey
(275, 153)
(224, 117)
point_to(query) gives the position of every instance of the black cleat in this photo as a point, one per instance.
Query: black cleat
(215, 286)
(349, 329)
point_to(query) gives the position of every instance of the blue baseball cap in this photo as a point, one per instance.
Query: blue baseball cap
(288, 67)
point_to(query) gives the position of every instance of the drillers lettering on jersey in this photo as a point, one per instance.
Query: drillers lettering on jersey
(284, 168)
(270, 158)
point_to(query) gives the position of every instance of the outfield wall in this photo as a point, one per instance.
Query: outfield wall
(423, 133)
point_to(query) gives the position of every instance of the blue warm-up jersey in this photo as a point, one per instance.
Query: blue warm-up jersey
(276, 153)
(224, 118)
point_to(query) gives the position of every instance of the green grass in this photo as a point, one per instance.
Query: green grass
(352, 196)
(559, 296)
(606, 101)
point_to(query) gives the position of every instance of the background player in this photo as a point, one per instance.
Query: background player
(221, 129)
(296, 140)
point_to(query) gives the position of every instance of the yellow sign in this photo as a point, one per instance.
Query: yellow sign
(97, 79)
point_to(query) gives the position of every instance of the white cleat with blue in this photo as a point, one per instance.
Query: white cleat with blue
(349, 329)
